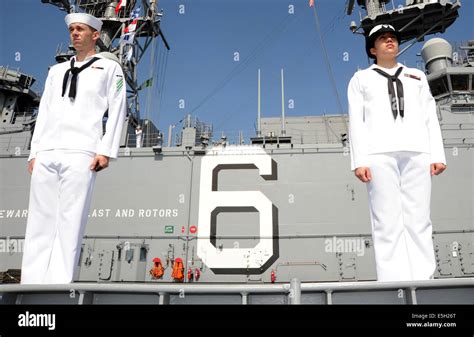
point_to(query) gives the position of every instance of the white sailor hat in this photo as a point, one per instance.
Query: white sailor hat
(376, 32)
(83, 18)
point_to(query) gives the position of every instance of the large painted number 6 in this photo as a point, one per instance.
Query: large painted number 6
(212, 202)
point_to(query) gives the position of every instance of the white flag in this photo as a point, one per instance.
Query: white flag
(129, 54)
(127, 38)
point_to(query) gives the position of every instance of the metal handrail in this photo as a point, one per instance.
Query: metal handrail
(292, 290)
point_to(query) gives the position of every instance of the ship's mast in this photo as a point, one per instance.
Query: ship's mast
(414, 19)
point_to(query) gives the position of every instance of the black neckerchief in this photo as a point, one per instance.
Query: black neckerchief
(75, 72)
(391, 91)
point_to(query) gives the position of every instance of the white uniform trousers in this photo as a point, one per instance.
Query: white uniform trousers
(399, 201)
(60, 196)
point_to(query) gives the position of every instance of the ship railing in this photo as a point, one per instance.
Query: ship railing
(457, 126)
(320, 135)
(7, 73)
(459, 141)
(146, 140)
(294, 292)
(3, 72)
(461, 109)
(210, 137)
(463, 52)
(98, 7)
(16, 78)
(299, 136)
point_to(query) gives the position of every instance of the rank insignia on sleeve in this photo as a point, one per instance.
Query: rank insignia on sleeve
(413, 76)
(119, 84)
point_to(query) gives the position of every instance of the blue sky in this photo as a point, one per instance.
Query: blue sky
(204, 40)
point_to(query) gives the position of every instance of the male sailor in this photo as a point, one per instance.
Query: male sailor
(396, 146)
(67, 149)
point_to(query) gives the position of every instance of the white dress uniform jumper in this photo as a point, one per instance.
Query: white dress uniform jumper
(68, 134)
(396, 134)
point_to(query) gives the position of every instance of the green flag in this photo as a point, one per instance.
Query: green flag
(146, 84)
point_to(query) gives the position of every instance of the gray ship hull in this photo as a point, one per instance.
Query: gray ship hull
(320, 230)
(281, 221)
